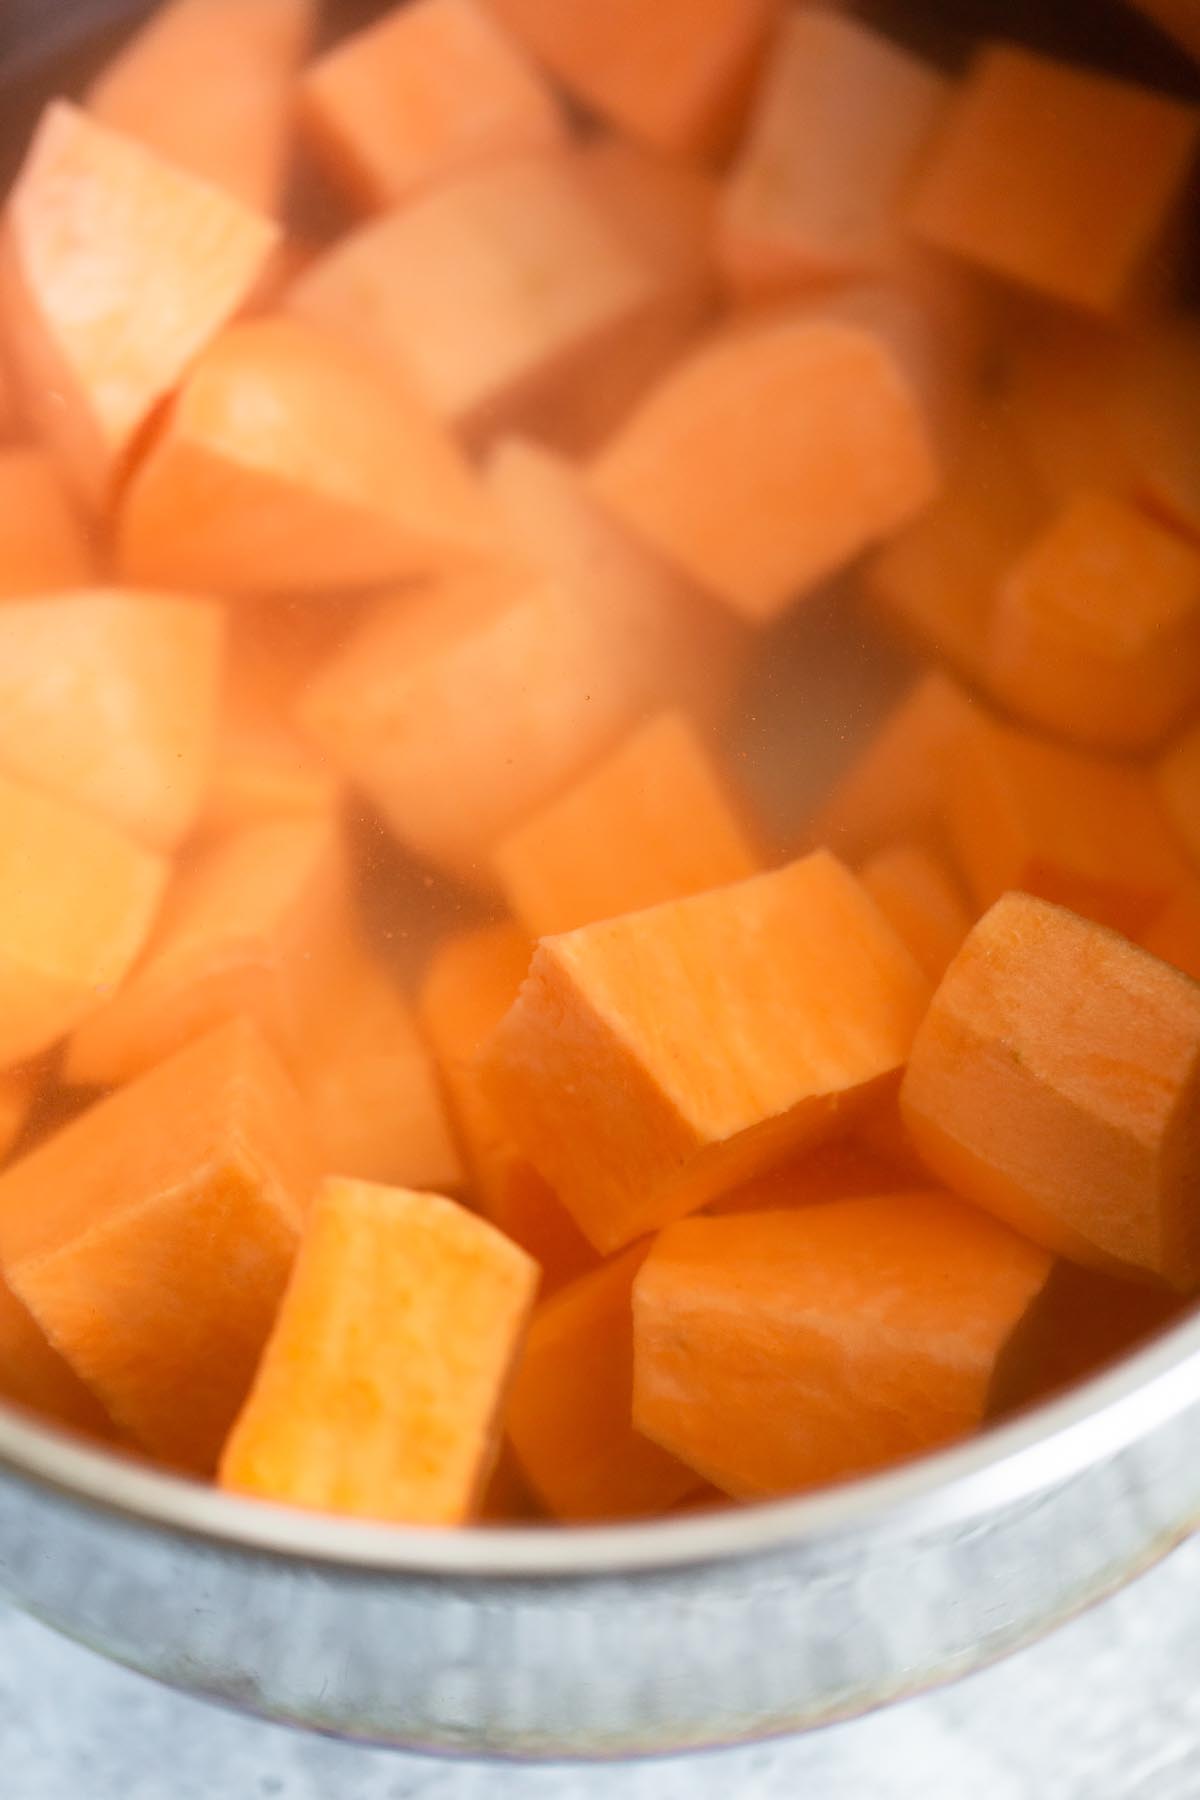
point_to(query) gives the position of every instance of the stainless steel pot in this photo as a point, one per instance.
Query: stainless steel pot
(604, 1642)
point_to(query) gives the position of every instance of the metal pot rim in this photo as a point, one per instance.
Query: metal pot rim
(1032, 1452)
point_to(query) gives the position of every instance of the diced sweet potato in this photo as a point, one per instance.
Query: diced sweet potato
(285, 465)
(677, 77)
(471, 982)
(1177, 782)
(683, 647)
(368, 1083)
(759, 517)
(604, 1068)
(665, 211)
(43, 543)
(387, 1408)
(779, 1350)
(77, 903)
(1114, 410)
(569, 1412)
(108, 699)
(494, 292)
(151, 1238)
(1080, 830)
(1055, 176)
(653, 822)
(896, 786)
(428, 90)
(1055, 1081)
(117, 269)
(1174, 933)
(920, 898)
(840, 119)
(252, 926)
(211, 86)
(937, 581)
(1096, 634)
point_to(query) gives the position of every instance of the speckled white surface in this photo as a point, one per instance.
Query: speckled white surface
(1107, 1709)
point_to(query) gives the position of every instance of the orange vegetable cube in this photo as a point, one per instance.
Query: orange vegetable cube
(652, 822)
(1080, 830)
(43, 543)
(494, 291)
(677, 78)
(252, 926)
(34, 1376)
(118, 268)
(570, 1406)
(605, 1071)
(211, 86)
(428, 90)
(665, 211)
(471, 982)
(368, 1083)
(839, 121)
(937, 581)
(1055, 1081)
(779, 1350)
(151, 1238)
(286, 466)
(109, 699)
(1096, 635)
(386, 1408)
(1114, 410)
(77, 902)
(920, 898)
(1057, 177)
(1174, 933)
(760, 517)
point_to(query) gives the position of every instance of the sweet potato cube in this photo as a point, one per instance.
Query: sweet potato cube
(840, 119)
(108, 699)
(653, 1061)
(494, 291)
(211, 85)
(43, 542)
(760, 517)
(471, 982)
(428, 90)
(1055, 1081)
(286, 466)
(1080, 830)
(1096, 634)
(921, 900)
(653, 822)
(677, 78)
(779, 1350)
(569, 1413)
(368, 1082)
(117, 270)
(151, 1238)
(77, 902)
(387, 1408)
(1174, 933)
(937, 581)
(1060, 178)
(1177, 783)
(34, 1376)
(896, 786)
(252, 926)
